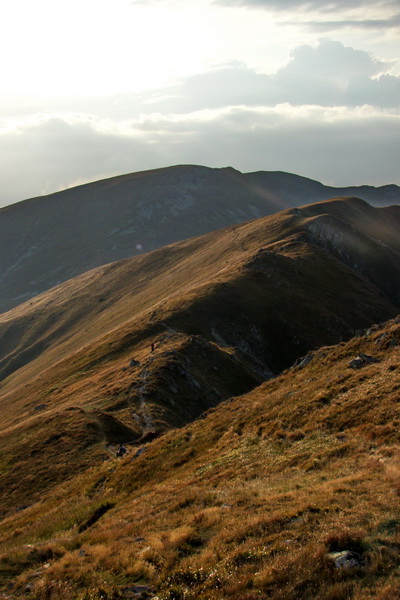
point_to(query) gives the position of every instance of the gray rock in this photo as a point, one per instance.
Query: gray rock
(368, 359)
(356, 363)
(139, 589)
(305, 361)
(381, 338)
(140, 451)
(362, 360)
(346, 559)
(137, 592)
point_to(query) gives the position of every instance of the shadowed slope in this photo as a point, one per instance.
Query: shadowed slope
(48, 240)
(150, 343)
(281, 256)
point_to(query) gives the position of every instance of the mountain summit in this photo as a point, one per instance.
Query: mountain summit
(50, 239)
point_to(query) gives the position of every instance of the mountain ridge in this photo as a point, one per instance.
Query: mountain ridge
(50, 239)
(247, 300)
(317, 224)
(252, 372)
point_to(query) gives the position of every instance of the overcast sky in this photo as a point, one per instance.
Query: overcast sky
(95, 88)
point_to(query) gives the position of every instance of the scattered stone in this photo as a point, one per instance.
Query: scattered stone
(136, 592)
(303, 362)
(40, 407)
(346, 559)
(140, 451)
(356, 363)
(368, 359)
(362, 360)
(133, 362)
(381, 338)
(28, 588)
(139, 589)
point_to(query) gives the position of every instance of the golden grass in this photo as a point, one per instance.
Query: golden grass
(245, 502)
(271, 483)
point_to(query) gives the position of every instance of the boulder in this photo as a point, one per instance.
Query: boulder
(346, 559)
(362, 360)
(137, 592)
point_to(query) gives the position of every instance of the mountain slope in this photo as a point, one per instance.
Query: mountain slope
(131, 349)
(315, 258)
(51, 239)
(288, 492)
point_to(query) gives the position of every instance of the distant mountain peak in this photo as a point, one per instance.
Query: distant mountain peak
(49, 239)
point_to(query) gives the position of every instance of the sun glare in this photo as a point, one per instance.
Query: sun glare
(98, 47)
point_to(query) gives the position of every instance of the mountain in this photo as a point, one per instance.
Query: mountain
(288, 492)
(132, 349)
(51, 239)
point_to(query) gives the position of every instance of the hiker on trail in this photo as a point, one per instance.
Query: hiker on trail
(152, 346)
(121, 450)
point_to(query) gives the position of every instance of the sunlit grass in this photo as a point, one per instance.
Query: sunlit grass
(246, 503)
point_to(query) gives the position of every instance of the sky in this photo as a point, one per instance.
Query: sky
(90, 89)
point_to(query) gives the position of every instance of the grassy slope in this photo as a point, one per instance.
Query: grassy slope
(173, 280)
(50, 239)
(246, 503)
(222, 311)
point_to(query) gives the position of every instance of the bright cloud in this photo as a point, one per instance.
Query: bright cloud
(314, 5)
(311, 140)
(327, 74)
(98, 88)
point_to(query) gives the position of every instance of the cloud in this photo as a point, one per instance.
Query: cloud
(331, 113)
(52, 154)
(331, 74)
(338, 145)
(315, 5)
(355, 14)
(328, 74)
(392, 22)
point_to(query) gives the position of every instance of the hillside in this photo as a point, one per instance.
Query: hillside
(289, 492)
(245, 473)
(50, 239)
(129, 350)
